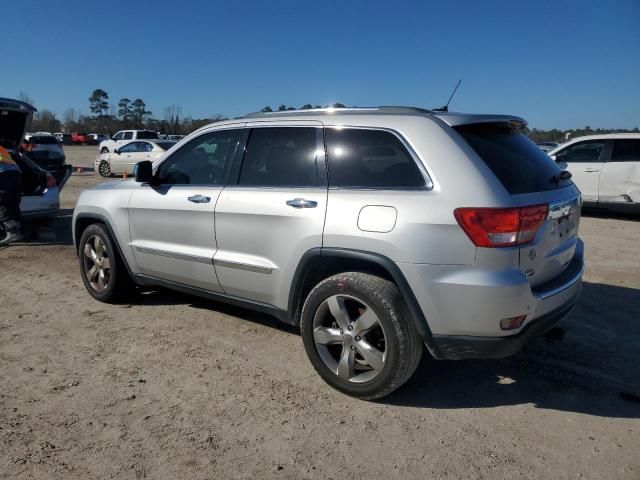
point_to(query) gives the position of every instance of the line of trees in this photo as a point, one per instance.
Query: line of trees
(109, 118)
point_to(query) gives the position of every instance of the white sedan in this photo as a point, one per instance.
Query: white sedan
(124, 158)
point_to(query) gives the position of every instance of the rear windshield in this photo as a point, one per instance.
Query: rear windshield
(146, 134)
(515, 160)
(45, 140)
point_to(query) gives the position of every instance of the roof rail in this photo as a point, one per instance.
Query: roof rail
(352, 110)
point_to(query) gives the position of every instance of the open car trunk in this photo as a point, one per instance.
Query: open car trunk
(15, 117)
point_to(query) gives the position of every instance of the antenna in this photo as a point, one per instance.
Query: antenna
(446, 107)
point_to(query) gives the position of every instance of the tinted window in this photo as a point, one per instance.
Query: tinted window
(280, 157)
(118, 136)
(205, 160)
(626, 151)
(515, 160)
(127, 135)
(147, 135)
(129, 148)
(369, 159)
(44, 140)
(583, 152)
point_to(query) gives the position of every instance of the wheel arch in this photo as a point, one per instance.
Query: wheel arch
(84, 220)
(320, 263)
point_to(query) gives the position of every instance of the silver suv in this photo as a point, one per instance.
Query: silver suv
(377, 231)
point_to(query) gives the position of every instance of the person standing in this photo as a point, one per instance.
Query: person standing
(10, 192)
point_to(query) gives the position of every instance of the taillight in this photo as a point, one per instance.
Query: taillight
(51, 182)
(501, 227)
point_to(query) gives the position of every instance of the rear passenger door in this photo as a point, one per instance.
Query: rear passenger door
(620, 177)
(272, 211)
(585, 161)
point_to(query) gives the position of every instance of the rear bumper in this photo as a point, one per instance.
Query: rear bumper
(452, 347)
(463, 305)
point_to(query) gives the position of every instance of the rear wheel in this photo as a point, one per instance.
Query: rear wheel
(359, 336)
(104, 169)
(103, 271)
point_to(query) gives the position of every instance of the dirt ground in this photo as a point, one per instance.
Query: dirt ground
(172, 386)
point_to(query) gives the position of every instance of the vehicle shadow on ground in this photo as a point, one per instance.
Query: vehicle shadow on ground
(594, 369)
(592, 212)
(54, 230)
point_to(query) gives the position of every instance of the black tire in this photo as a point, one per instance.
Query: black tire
(104, 169)
(402, 342)
(118, 283)
(104, 150)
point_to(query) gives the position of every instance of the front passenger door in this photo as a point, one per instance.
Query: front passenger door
(584, 161)
(172, 224)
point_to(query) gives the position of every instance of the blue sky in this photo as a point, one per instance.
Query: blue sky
(559, 64)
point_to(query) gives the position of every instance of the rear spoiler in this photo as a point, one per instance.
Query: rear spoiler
(454, 119)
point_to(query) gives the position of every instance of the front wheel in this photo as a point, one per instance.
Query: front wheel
(103, 272)
(104, 169)
(104, 150)
(359, 336)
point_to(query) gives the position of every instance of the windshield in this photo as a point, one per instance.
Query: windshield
(519, 164)
(43, 140)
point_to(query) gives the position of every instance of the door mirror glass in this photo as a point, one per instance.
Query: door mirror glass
(143, 172)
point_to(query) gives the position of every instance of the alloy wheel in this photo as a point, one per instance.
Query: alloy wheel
(350, 338)
(97, 265)
(104, 168)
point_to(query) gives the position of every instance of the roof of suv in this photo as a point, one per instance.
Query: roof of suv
(450, 118)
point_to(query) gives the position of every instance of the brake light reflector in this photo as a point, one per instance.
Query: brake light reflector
(512, 323)
(501, 227)
(51, 182)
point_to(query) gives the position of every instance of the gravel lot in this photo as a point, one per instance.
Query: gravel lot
(172, 386)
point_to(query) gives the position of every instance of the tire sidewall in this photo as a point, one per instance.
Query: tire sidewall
(104, 162)
(346, 285)
(114, 273)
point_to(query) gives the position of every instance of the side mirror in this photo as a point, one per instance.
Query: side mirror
(143, 172)
(116, 151)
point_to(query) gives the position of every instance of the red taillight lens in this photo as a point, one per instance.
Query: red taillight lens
(51, 182)
(501, 227)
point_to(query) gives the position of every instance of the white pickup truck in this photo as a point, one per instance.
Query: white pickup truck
(125, 136)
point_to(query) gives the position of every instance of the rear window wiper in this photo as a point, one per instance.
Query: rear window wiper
(561, 177)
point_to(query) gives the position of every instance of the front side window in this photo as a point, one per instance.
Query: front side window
(281, 156)
(127, 136)
(118, 136)
(626, 151)
(583, 152)
(205, 160)
(370, 159)
(130, 148)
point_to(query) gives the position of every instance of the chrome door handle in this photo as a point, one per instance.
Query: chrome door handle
(302, 203)
(199, 199)
(591, 170)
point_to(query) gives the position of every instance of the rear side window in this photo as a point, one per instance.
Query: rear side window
(583, 152)
(127, 135)
(515, 160)
(626, 151)
(147, 135)
(281, 156)
(361, 158)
